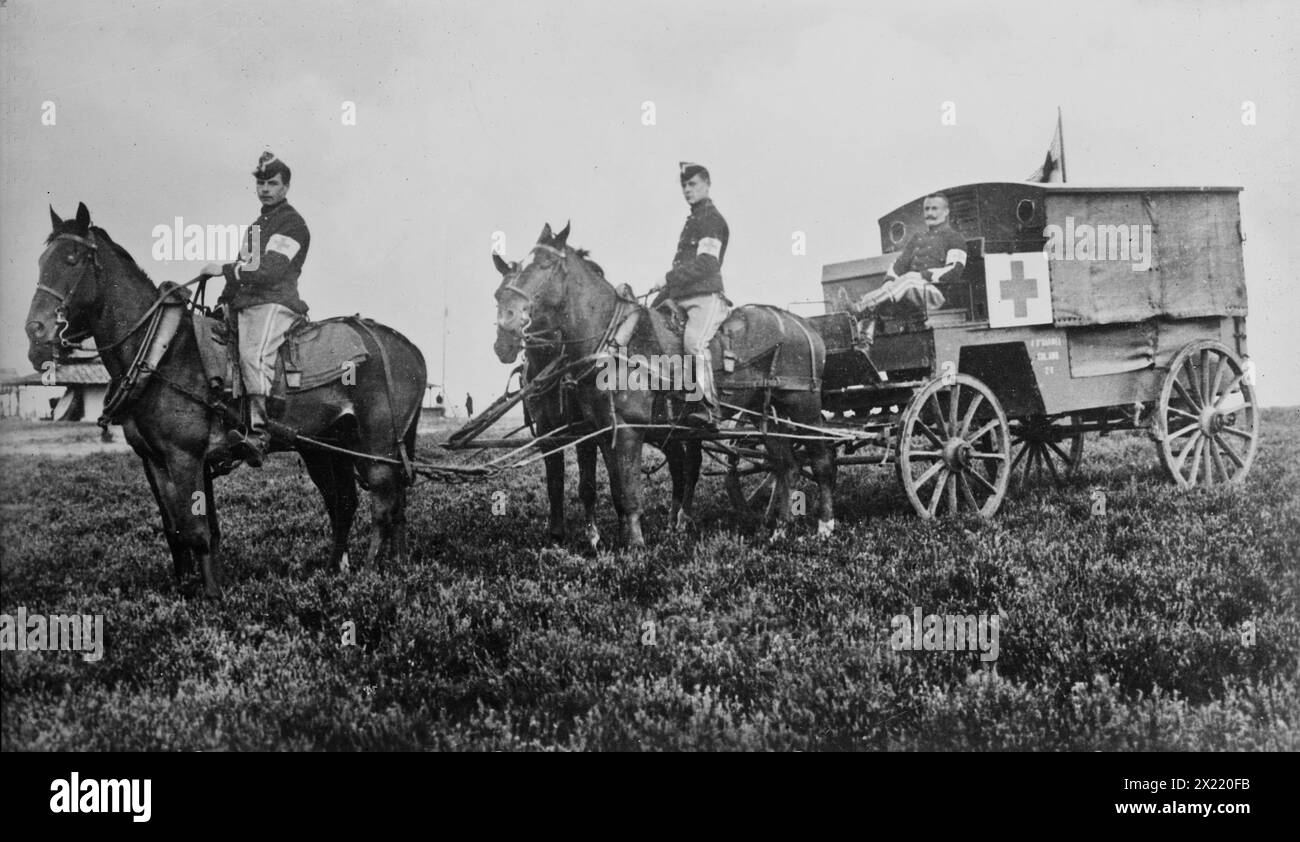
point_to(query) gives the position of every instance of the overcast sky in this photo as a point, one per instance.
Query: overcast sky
(474, 118)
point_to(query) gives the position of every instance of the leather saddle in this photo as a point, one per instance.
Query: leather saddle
(314, 354)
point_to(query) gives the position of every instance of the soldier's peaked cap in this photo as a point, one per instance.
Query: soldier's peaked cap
(689, 171)
(268, 166)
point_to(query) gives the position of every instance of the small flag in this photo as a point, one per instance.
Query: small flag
(1053, 167)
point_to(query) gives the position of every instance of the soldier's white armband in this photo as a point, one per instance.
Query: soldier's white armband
(287, 246)
(710, 245)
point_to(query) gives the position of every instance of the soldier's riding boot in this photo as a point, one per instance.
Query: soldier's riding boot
(252, 447)
(704, 412)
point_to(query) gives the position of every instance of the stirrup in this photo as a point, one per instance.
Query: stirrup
(247, 448)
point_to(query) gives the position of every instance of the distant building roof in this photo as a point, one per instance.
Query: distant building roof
(66, 374)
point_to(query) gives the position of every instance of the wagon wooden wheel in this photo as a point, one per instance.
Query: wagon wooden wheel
(1207, 422)
(1042, 445)
(954, 448)
(749, 483)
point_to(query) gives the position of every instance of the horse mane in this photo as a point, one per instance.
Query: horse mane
(122, 253)
(589, 263)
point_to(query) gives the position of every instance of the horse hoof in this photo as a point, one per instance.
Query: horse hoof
(684, 522)
(825, 528)
(343, 565)
(593, 538)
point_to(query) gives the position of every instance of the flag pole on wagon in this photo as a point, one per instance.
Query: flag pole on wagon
(1053, 166)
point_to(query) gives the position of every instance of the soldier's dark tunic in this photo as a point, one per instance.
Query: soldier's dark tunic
(284, 242)
(927, 252)
(698, 270)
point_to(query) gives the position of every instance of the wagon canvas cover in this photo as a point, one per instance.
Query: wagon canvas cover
(1131, 254)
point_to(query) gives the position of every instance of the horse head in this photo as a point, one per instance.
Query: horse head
(531, 293)
(67, 290)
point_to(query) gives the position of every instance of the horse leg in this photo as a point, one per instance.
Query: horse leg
(185, 489)
(555, 493)
(333, 475)
(781, 455)
(677, 470)
(587, 490)
(821, 458)
(387, 507)
(627, 457)
(693, 456)
(182, 561)
(684, 466)
(214, 528)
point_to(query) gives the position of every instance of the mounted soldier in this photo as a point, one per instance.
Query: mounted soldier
(695, 283)
(928, 257)
(261, 297)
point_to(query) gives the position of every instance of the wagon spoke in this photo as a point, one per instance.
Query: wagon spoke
(1181, 457)
(1231, 386)
(1192, 381)
(1068, 460)
(930, 434)
(938, 413)
(1196, 460)
(1226, 448)
(1176, 411)
(929, 472)
(975, 454)
(1205, 375)
(938, 493)
(970, 415)
(966, 492)
(1209, 460)
(1242, 433)
(983, 481)
(952, 492)
(927, 455)
(1020, 454)
(1185, 430)
(954, 398)
(1212, 394)
(1051, 466)
(1178, 387)
(982, 431)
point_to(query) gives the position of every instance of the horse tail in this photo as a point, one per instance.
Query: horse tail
(405, 379)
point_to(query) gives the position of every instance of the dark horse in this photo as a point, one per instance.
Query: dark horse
(579, 309)
(549, 411)
(90, 286)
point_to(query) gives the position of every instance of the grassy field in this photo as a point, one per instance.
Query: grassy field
(1121, 632)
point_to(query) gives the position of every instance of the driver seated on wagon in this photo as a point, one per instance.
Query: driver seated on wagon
(937, 254)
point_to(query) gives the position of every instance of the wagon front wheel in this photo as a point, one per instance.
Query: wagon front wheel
(954, 448)
(1207, 421)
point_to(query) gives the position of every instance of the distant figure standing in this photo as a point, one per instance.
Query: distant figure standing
(469, 404)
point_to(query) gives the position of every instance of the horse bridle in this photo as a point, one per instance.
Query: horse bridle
(61, 311)
(536, 338)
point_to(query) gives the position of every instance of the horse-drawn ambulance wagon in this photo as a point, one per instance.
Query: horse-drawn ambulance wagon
(1081, 309)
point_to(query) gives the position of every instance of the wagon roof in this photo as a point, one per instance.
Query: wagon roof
(977, 186)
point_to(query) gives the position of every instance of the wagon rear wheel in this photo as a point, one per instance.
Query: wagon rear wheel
(1207, 422)
(954, 449)
(1040, 446)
